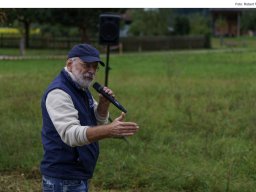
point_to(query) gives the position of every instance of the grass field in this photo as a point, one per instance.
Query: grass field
(197, 117)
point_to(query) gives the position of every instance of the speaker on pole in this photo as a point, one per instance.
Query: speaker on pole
(109, 29)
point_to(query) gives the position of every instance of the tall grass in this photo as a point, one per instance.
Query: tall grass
(196, 112)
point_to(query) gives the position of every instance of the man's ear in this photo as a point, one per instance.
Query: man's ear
(69, 65)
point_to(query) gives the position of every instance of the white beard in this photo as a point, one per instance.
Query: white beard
(84, 83)
(84, 80)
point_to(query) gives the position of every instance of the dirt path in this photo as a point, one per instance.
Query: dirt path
(19, 182)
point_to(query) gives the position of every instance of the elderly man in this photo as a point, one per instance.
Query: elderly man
(73, 123)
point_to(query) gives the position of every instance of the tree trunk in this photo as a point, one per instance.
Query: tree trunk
(27, 31)
(84, 35)
(22, 46)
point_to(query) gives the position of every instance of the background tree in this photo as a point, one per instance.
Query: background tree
(248, 20)
(2, 16)
(181, 25)
(199, 25)
(25, 17)
(221, 25)
(150, 22)
(87, 20)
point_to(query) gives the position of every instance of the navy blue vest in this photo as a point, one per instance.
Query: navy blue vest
(60, 160)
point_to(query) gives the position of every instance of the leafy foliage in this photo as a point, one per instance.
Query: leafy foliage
(2, 16)
(248, 20)
(153, 22)
(199, 25)
(85, 20)
(181, 25)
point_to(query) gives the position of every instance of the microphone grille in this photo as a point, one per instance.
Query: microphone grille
(97, 86)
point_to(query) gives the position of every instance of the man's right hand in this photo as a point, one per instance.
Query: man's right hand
(119, 128)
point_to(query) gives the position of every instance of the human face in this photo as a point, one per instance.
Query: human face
(84, 73)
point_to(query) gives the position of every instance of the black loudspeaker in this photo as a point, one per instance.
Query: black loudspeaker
(109, 29)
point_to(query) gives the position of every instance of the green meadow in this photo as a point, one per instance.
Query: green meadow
(196, 111)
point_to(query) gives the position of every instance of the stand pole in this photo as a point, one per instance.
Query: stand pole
(107, 66)
(106, 83)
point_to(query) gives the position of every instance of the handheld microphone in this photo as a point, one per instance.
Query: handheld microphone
(100, 90)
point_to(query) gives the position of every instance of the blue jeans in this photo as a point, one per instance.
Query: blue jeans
(51, 184)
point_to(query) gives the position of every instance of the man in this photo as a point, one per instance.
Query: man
(73, 122)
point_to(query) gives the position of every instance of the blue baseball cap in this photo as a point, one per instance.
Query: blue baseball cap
(86, 53)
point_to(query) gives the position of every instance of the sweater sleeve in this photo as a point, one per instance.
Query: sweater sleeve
(64, 117)
(100, 120)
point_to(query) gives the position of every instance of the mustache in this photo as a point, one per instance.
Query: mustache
(89, 75)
